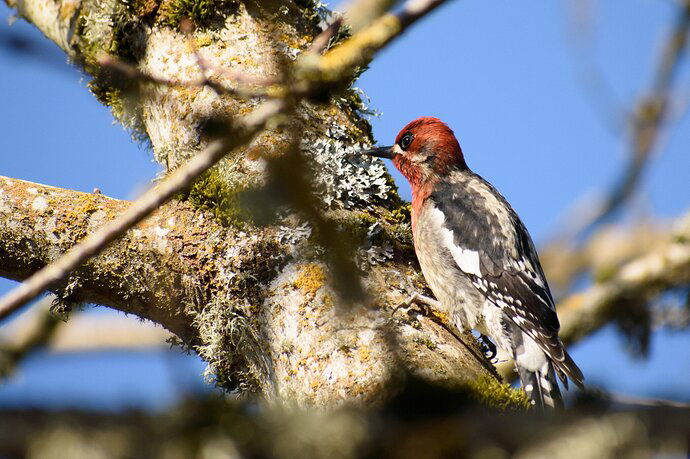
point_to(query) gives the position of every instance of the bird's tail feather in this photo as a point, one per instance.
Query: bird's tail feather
(541, 387)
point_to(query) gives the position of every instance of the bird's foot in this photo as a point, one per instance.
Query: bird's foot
(488, 347)
(425, 303)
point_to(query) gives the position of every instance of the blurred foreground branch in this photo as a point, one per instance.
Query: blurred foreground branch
(34, 337)
(415, 424)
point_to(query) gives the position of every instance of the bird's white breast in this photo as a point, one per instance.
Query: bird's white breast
(443, 263)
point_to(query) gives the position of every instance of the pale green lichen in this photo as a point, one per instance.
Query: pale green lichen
(231, 346)
(345, 178)
(229, 337)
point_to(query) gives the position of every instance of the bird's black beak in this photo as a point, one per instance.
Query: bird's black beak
(380, 152)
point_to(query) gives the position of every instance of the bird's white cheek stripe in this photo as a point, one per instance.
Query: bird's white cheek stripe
(466, 259)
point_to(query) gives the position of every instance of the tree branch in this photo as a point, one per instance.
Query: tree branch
(641, 279)
(238, 135)
(82, 333)
(646, 124)
(263, 319)
(358, 51)
(40, 222)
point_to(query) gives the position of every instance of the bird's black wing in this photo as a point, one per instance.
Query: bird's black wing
(509, 274)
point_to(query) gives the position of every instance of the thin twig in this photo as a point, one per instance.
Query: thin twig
(240, 134)
(642, 401)
(129, 71)
(322, 40)
(338, 63)
(360, 13)
(594, 83)
(648, 119)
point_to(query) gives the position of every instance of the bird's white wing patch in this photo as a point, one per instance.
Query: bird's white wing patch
(526, 267)
(466, 259)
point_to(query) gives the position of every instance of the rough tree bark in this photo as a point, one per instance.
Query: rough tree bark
(254, 301)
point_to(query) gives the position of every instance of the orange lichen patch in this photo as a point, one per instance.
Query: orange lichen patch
(73, 215)
(310, 279)
(254, 152)
(364, 353)
(442, 316)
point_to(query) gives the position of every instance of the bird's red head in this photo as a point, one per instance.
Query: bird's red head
(425, 150)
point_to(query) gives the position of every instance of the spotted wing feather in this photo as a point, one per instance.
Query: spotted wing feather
(510, 275)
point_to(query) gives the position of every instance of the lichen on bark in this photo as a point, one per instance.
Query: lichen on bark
(256, 302)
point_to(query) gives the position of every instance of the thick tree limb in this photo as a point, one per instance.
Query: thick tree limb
(262, 318)
(40, 222)
(140, 209)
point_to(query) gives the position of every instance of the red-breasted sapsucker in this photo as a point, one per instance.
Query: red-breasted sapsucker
(479, 259)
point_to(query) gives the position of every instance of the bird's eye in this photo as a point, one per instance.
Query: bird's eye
(406, 141)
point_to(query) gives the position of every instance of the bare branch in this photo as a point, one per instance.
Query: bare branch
(321, 42)
(132, 73)
(35, 337)
(648, 119)
(603, 252)
(358, 51)
(85, 333)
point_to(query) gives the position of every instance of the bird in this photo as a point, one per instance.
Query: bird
(479, 259)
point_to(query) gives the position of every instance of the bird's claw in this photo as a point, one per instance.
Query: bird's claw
(488, 347)
(424, 303)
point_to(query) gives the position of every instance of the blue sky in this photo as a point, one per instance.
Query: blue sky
(503, 74)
